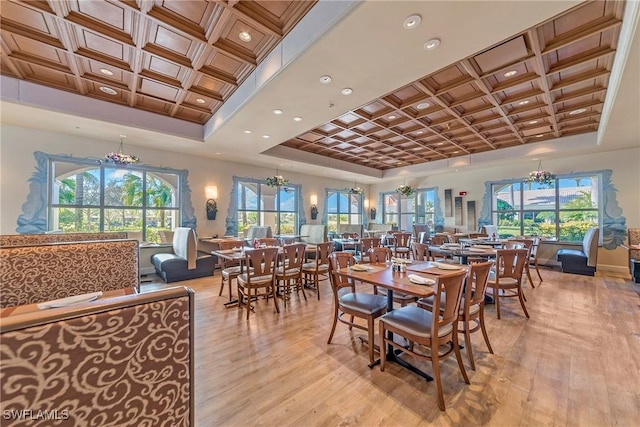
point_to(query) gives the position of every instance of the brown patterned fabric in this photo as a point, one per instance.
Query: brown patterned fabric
(128, 363)
(39, 239)
(33, 274)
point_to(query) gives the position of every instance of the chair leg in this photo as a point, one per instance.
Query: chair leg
(383, 346)
(484, 330)
(221, 286)
(467, 343)
(316, 280)
(370, 333)
(335, 322)
(435, 362)
(248, 301)
(520, 297)
(273, 294)
(456, 349)
(537, 270)
(526, 267)
(496, 297)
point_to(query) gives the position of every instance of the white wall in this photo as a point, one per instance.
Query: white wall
(625, 178)
(17, 164)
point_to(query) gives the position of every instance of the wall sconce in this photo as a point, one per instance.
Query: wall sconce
(314, 208)
(366, 203)
(372, 214)
(211, 192)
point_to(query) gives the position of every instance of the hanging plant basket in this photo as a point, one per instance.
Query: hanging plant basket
(356, 190)
(277, 181)
(405, 190)
(541, 177)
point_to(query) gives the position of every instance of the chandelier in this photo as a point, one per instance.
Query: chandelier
(541, 176)
(119, 157)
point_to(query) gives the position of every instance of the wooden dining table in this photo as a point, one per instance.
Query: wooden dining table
(384, 276)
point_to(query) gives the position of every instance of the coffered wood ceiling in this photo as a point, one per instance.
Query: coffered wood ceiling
(177, 58)
(548, 82)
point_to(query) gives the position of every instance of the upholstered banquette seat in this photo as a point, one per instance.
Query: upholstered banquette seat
(581, 261)
(184, 263)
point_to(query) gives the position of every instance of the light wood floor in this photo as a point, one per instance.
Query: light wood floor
(576, 362)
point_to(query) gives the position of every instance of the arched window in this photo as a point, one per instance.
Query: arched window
(84, 195)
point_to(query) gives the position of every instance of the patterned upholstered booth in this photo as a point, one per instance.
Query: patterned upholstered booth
(581, 261)
(184, 263)
(33, 274)
(258, 232)
(117, 361)
(40, 239)
(379, 229)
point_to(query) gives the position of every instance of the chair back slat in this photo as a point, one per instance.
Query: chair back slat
(477, 281)
(338, 260)
(262, 261)
(294, 255)
(379, 254)
(451, 286)
(511, 262)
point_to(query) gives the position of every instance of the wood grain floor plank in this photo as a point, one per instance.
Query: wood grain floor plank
(576, 362)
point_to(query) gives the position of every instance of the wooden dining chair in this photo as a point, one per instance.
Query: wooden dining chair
(317, 269)
(420, 252)
(349, 303)
(533, 258)
(366, 244)
(229, 270)
(506, 279)
(420, 326)
(260, 274)
(528, 245)
(471, 313)
(268, 241)
(289, 270)
(402, 245)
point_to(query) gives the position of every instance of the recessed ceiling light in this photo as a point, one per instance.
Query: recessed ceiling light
(432, 44)
(423, 106)
(247, 131)
(511, 73)
(325, 80)
(440, 143)
(218, 153)
(578, 111)
(200, 101)
(277, 111)
(391, 117)
(347, 91)
(533, 122)
(265, 136)
(539, 135)
(297, 119)
(108, 90)
(419, 132)
(525, 102)
(456, 152)
(412, 22)
(106, 72)
(244, 36)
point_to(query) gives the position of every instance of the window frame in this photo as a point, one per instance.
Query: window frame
(339, 193)
(40, 220)
(556, 210)
(240, 183)
(413, 215)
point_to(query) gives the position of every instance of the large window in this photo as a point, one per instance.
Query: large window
(260, 204)
(404, 211)
(343, 208)
(89, 198)
(562, 210)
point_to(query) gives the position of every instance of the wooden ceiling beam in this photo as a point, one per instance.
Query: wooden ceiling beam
(574, 61)
(582, 32)
(544, 83)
